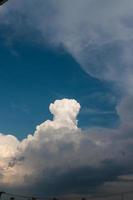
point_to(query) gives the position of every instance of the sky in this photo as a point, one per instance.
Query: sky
(66, 104)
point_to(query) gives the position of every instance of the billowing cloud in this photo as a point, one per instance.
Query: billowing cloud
(59, 150)
(47, 140)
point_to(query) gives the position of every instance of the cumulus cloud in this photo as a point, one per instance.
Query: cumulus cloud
(59, 150)
(49, 148)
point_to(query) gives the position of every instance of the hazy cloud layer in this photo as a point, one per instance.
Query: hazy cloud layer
(97, 34)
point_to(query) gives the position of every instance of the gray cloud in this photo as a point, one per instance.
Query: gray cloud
(60, 158)
(97, 34)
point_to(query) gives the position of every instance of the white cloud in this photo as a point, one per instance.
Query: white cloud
(59, 145)
(51, 141)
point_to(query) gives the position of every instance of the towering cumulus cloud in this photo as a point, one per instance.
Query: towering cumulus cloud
(46, 149)
(59, 150)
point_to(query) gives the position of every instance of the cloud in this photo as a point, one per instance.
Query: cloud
(60, 158)
(52, 142)
(99, 38)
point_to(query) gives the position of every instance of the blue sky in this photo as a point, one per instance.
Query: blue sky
(34, 75)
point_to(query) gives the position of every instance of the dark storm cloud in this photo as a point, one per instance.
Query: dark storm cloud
(83, 180)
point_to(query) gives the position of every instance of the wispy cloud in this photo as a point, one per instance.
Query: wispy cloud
(97, 34)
